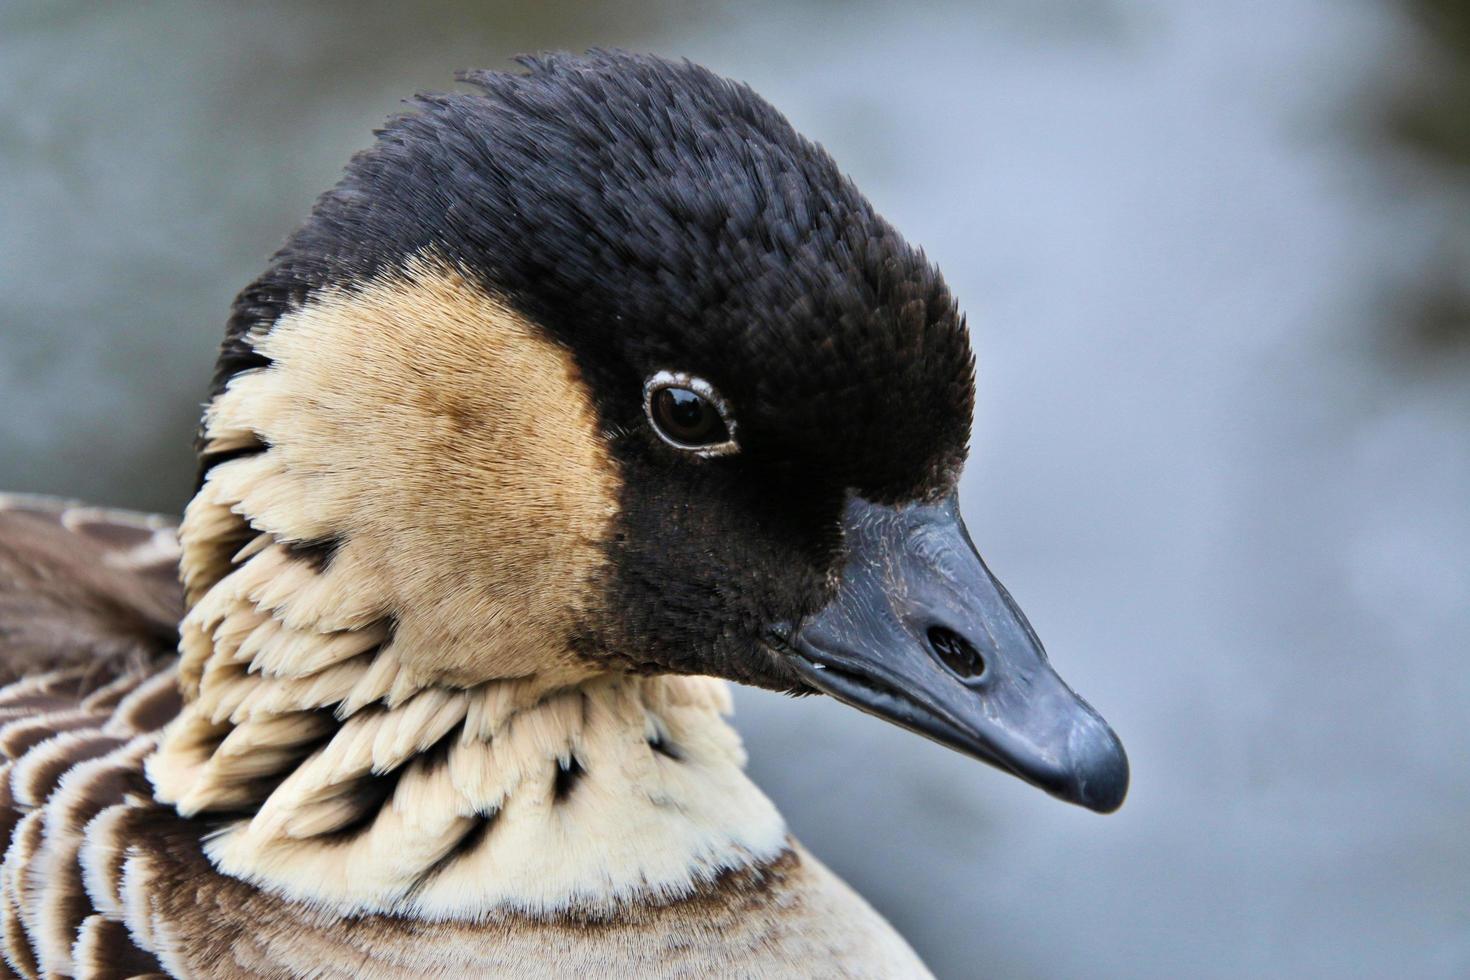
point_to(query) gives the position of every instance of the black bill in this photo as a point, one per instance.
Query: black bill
(921, 634)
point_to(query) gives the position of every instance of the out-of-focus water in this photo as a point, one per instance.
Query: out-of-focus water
(1225, 480)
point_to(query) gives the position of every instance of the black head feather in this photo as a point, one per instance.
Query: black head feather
(650, 215)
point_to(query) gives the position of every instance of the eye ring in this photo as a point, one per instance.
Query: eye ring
(655, 404)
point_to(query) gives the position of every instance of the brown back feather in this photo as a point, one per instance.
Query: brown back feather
(89, 610)
(84, 587)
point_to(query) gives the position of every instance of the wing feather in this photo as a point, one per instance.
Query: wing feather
(85, 587)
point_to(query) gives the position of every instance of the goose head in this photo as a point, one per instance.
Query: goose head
(603, 368)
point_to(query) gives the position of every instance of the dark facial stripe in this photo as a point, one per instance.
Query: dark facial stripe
(208, 461)
(318, 553)
(469, 843)
(666, 749)
(566, 779)
(366, 799)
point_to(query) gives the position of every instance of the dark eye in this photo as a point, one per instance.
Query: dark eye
(687, 413)
(686, 418)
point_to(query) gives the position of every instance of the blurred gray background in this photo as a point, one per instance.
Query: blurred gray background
(1216, 259)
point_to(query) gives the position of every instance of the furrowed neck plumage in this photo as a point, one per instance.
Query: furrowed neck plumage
(383, 712)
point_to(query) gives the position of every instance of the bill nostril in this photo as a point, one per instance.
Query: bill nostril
(956, 652)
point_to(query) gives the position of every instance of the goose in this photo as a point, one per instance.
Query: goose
(587, 390)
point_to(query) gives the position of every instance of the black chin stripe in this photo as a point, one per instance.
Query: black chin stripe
(566, 779)
(318, 552)
(665, 749)
(208, 461)
(466, 845)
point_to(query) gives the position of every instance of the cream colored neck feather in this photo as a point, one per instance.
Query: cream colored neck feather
(402, 729)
